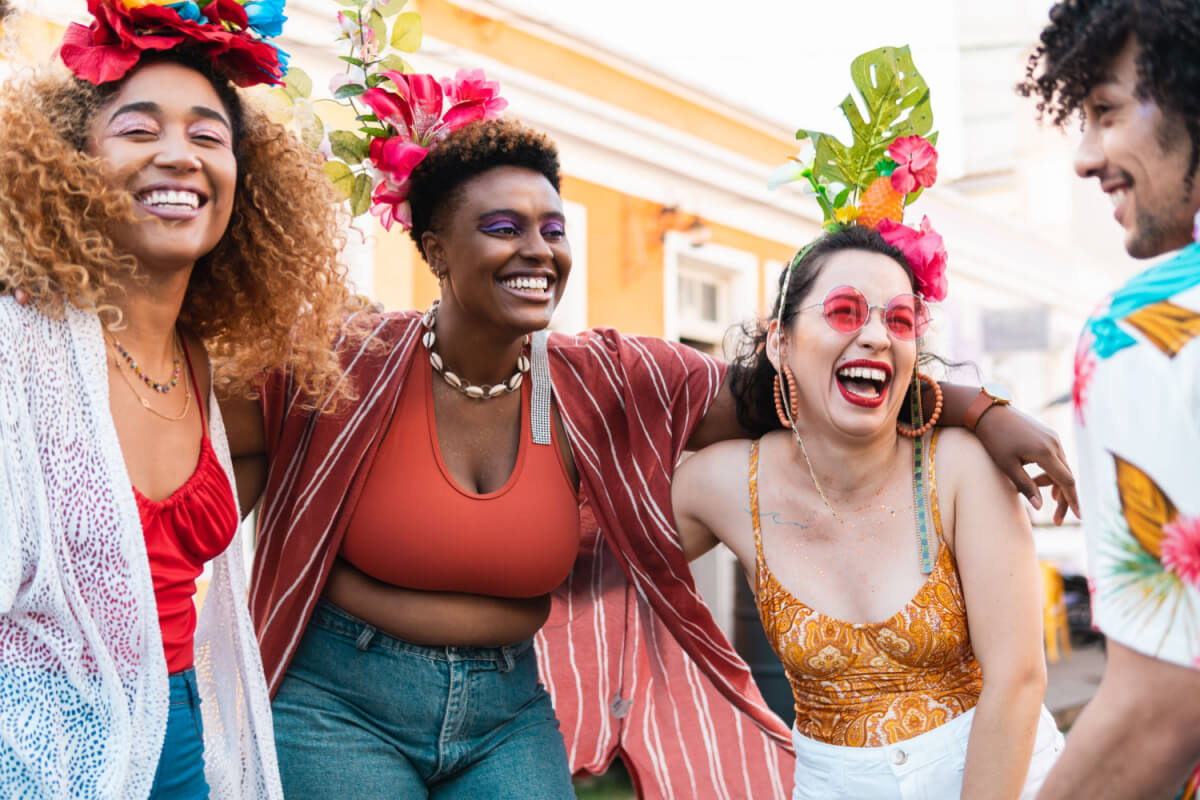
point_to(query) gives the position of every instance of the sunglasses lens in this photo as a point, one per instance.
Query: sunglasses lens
(845, 309)
(907, 317)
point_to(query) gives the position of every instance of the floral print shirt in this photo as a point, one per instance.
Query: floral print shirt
(1137, 416)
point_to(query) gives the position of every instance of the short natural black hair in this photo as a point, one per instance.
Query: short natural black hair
(472, 150)
(1083, 36)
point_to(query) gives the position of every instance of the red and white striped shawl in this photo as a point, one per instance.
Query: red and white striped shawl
(631, 655)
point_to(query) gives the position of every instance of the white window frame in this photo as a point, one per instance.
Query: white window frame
(737, 269)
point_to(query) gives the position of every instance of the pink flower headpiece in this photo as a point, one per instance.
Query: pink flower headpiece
(419, 114)
(231, 33)
(924, 252)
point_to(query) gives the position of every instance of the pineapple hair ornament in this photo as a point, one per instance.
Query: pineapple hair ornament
(889, 163)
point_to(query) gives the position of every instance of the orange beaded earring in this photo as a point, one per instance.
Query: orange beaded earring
(792, 401)
(913, 433)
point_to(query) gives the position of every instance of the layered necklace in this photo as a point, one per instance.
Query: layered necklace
(125, 364)
(481, 392)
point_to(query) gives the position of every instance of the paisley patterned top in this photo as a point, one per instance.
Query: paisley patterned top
(871, 684)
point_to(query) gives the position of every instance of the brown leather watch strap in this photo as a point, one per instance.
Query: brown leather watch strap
(979, 406)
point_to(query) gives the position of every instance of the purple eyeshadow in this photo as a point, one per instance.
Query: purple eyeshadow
(497, 223)
(130, 122)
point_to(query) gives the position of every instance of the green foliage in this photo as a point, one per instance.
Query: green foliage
(297, 84)
(394, 62)
(348, 91)
(348, 147)
(407, 32)
(340, 176)
(312, 131)
(895, 102)
(360, 194)
(348, 168)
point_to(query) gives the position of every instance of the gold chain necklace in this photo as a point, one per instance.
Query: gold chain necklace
(187, 395)
(787, 410)
(811, 472)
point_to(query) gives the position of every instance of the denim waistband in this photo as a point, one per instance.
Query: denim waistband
(330, 617)
(183, 687)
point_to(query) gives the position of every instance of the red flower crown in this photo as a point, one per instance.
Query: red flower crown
(232, 34)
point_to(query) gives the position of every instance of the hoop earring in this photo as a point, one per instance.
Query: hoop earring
(793, 402)
(915, 432)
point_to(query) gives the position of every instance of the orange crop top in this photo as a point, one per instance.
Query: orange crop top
(415, 527)
(872, 684)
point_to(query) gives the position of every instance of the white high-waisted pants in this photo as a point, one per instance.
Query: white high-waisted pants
(925, 767)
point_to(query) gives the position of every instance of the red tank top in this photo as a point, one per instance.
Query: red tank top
(415, 527)
(192, 526)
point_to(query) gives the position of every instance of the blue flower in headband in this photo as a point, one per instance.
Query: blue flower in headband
(266, 17)
(188, 10)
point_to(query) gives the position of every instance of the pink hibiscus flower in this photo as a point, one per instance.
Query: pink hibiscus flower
(925, 252)
(396, 157)
(916, 163)
(391, 206)
(471, 85)
(1181, 548)
(416, 114)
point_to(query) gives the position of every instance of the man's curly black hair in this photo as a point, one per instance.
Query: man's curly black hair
(436, 182)
(1082, 39)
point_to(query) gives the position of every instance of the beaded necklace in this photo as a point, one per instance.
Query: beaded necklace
(187, 395)
(146, 379)
(484, 392)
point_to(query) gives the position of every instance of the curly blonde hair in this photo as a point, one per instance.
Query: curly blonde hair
(271, 294)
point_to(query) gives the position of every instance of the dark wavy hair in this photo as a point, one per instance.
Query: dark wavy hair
(436, 182)
(1081, 40)
(751, 375)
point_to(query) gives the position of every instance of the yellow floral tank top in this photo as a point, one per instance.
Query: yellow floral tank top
(872, 684)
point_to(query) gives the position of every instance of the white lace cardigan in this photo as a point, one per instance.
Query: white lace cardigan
(83, 681)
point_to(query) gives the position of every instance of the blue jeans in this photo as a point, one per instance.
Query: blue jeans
(180, 773)
(363, 715)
